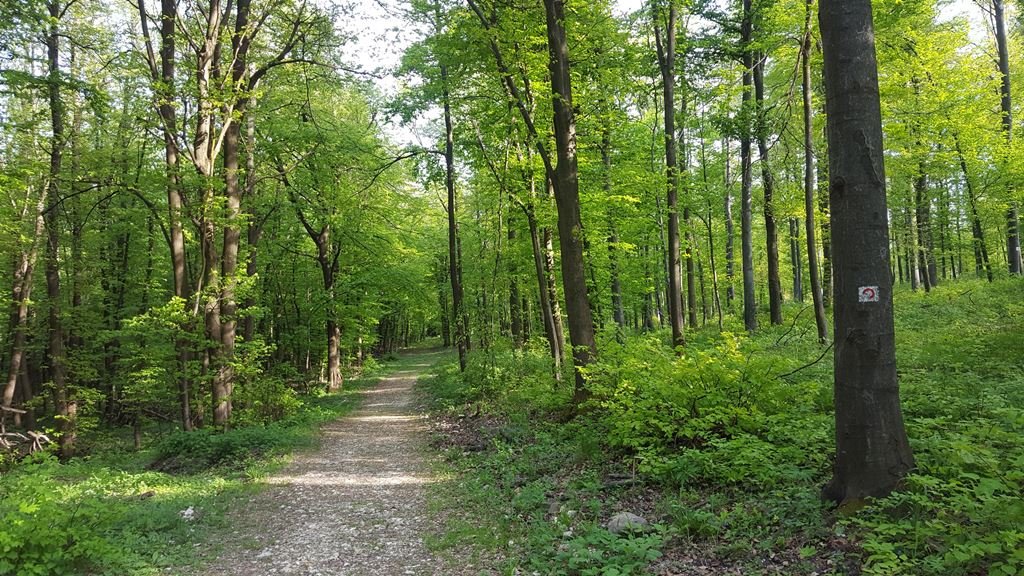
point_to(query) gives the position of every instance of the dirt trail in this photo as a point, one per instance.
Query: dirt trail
(356, 506)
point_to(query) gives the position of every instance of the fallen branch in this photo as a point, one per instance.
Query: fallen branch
(808, 365)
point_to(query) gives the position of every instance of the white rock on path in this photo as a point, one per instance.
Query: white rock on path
(625, 522)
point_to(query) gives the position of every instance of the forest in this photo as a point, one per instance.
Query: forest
(748, 269)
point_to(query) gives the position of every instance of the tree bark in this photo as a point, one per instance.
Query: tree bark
(746, 200)
(163, 83)
(1013, 251)
(21, 295)
(926, 256)
(460, 314)
(666, 52)
(872, 450)
(551, 324)
(795, 259)
(570, 226)
(65, 405)
(981, 261)
(618, 312)
(515, 312)
(730, 235)
(820, 321)
(768, 186)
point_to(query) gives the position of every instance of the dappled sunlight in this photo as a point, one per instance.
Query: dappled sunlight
(382, 391)
(383, 418)
(355, 480)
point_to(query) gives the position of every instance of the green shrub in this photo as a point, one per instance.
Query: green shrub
(40, 534)
(598, 552)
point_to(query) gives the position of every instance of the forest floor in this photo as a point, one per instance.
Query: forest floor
(356, 505)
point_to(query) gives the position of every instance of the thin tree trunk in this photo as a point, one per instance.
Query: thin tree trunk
(746, 184)
(824, 211)
(551, 329)
(795, 259)
(442, 299)
(255, 227)
(459, 311)
(981, 261)
(175, 201)
(618, 313)
(768, 185)
(924, 249)
(821, 322)
(21, 295)
(666, 52)
(551, 283)
(730, 274)
(514, 298)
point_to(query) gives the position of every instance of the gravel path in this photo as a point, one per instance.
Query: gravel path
(354, 507)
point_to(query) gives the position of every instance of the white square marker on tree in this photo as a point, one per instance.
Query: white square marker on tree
(867, 294)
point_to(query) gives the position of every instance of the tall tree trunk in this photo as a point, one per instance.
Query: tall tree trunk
(768, 185)
(746, 184)
(514, 298)
(21, 296)
(666, 51)
(547, 310)
(224, 379)
(730, 273)
(459, 310)
(254, 229)
(981, 261)
(820, 320)
(552, 284)
(926, 257)
(1013, 252)
(650, 289)
(334, 380)
(163, 82)
(65, 406)
(872, 450)
(570, 227)
(442, 300)
(909, 248)
(618, 313)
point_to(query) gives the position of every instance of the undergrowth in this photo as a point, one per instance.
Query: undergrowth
(730, 444)
(121, 512)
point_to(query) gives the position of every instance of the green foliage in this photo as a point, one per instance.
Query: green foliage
(533, 465)
(961, 511)
(122, 513)
(82, 518)
(737, 432)
(723, 397)
(501, 375)
(598, 552)
(42, 535)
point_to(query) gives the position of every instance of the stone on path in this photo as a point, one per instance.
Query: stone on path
(626, 522)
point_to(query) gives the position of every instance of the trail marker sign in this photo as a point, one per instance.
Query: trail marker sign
(867, 294)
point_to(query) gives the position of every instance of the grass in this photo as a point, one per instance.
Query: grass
(125, 513)
(730, 447)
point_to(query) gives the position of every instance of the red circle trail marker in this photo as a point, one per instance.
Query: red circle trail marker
(867, 294)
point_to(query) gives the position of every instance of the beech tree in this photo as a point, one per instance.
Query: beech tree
(872, 450)
(664, 18)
